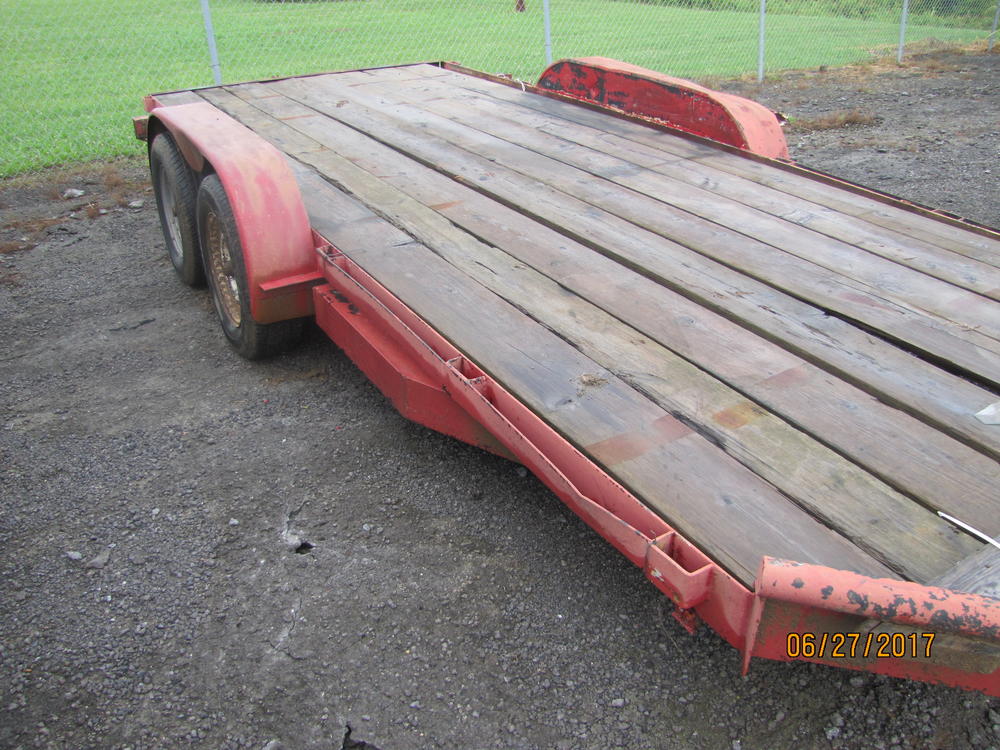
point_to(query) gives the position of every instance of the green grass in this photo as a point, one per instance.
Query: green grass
(76, 71)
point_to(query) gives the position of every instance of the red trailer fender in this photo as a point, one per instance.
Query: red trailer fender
(681, 104)
(264, 195)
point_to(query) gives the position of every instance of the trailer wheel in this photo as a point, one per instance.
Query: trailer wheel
(176, 195)
(227, 278)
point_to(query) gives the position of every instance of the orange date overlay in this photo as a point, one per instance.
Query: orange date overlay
(869, 645)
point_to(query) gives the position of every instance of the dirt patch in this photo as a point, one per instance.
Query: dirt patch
(204, 552)
(35, 207)
(10, 278)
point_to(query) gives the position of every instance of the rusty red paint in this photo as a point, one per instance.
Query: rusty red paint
(682, 104)
(141, 127)
(903, 602)
(350, 316)
(270, 217)
(812, 599)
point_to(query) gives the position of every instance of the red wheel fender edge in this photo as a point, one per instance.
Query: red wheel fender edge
(264, 195)
(682, 104)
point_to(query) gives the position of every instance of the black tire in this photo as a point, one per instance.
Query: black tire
(176, 196)
(222, 257)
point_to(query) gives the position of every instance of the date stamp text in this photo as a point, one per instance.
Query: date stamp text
(871, 645)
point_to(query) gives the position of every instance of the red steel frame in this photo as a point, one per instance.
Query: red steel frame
(430, 381)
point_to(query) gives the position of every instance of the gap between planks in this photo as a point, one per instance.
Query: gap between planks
(975, 242)
(633, 164)
(965, 424)
(452, 144)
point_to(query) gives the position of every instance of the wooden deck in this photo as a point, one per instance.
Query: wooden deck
(776, 365)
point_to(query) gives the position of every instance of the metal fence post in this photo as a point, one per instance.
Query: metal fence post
(213, 53)
(993, 33)
(760, 42)
(548, 33)
(902, 30)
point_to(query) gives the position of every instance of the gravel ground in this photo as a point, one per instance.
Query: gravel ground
(160, 496)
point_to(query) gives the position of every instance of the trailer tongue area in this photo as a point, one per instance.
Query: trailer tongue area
(758, 382)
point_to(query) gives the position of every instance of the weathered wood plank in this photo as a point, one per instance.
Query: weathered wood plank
(985, 249)
(910, 538)
(895, 218)
(622, 211)
(893, 376)
(977, 574)
(943, 400)
(927, 394)
(789, 251)
(728, 511)
(907, 453)
(550, 135)
(179, 97)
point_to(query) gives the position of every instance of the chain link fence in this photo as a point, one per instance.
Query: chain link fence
(76, 71)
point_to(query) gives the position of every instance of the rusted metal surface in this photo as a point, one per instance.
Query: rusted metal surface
(881, 625)
(939, 609)
(220, 266)
(141, 127)
(272, 222)
(682, 104)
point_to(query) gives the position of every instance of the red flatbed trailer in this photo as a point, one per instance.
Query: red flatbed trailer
(758, 382)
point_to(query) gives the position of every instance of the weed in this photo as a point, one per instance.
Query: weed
(317, 373)
(32, 226)
(6, 248)
(52, 180)
(112, 177)
(842, 118)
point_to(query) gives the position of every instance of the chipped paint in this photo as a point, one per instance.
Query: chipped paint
(681, 104)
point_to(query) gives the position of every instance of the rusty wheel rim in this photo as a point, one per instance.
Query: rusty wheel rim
(222, 270)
